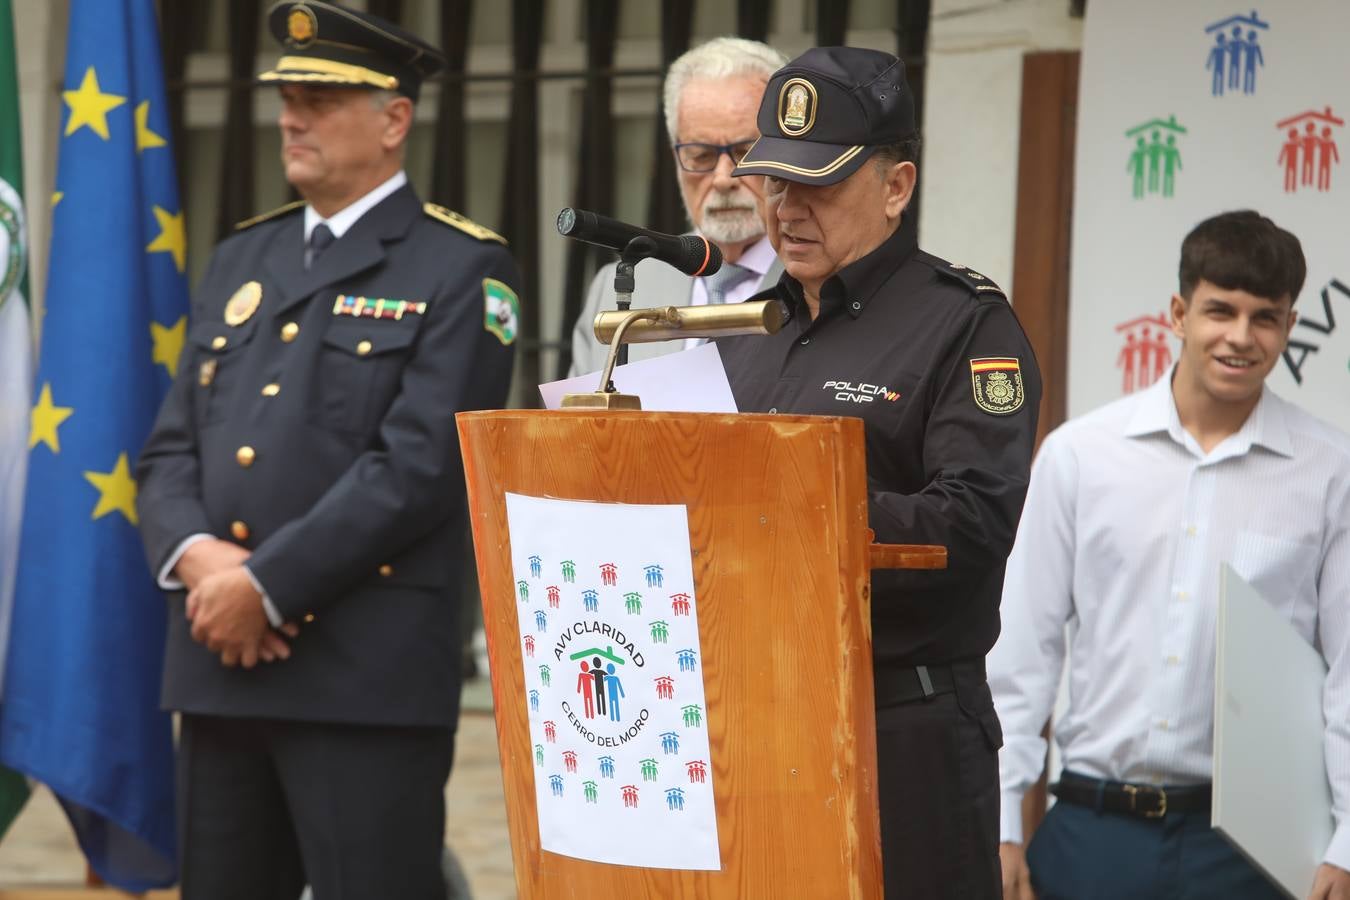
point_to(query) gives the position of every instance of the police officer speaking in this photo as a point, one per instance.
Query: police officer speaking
(303, 486)
(931, 357)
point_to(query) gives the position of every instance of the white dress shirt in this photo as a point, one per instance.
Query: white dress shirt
(758, 257)
(338, 223)
(1125, 525)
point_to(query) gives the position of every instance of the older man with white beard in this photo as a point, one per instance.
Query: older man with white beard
(711, 98)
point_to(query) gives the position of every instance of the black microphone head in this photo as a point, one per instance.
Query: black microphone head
(701, 256)
(568, 221)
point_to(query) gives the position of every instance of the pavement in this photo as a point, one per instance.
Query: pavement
(40, 851)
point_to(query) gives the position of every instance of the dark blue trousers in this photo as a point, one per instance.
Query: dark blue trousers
(1081, 854)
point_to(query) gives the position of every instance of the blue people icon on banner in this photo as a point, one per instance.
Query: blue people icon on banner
(675, 799)
(1235, 54)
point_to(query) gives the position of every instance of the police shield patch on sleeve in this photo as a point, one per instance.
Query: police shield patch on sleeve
(501, 310)
(997, 382)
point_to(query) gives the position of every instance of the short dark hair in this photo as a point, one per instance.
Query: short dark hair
(1243, 251)
(906, 150)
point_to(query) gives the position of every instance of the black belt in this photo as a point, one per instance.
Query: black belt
(1147, 801)
(909, 683)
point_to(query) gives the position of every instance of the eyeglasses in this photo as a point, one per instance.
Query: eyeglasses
(700, 158)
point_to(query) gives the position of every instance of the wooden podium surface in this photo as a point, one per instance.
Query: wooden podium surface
(777, 511)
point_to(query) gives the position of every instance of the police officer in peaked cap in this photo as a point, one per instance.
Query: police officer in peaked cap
(931, 357)
(301, 495)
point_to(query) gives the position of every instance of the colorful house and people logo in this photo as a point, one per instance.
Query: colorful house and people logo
(1145, 354)
(1309, 149)
(1154, 160)
(603, 660)
(1235, 54)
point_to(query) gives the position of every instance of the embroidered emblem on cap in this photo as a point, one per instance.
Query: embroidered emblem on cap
(796, 107)
(997, 383)
(243, 304)
(302, 26)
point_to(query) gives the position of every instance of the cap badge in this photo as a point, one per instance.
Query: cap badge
(796, 107)
(243, 304)
(301, 26)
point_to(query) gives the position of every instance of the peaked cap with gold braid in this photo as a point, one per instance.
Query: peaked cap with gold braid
(329, 44)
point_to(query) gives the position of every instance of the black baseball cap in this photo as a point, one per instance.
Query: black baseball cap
(328, 44)
(826, 112)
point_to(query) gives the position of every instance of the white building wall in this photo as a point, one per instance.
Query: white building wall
(972, 115)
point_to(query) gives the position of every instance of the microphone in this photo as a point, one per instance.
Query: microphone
(690, 253)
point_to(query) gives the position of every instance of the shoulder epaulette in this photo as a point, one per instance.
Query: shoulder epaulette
(977, 283)
(271, 214)
(463, 223)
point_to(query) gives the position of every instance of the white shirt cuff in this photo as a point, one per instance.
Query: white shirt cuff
(167, 580)
(1338, 851)
(1010, 818)
(273, 614)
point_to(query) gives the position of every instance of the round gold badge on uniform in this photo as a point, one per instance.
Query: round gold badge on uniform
(243, 304)
(796, 107)
(301, 26)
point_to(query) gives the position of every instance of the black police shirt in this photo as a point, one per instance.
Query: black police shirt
(930, 356)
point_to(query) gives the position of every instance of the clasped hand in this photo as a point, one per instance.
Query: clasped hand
(226, 610)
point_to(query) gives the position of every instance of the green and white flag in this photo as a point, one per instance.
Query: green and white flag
(16, 367)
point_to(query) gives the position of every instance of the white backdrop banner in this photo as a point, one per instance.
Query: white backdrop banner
(1191, 109)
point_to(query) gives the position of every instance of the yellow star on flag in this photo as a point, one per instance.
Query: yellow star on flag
(90, 106)
(47, 417)
(172, 238)
(116, 490)
(168, 343)
(56, 197)
(145, 138)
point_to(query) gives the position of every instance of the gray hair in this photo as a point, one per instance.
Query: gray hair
(379, 97)
(719, 58)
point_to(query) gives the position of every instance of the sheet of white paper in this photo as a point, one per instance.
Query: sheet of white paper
(614, 682)
(687, 381)
(1271, 797)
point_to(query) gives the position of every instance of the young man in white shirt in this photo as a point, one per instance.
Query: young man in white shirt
(1130, 511)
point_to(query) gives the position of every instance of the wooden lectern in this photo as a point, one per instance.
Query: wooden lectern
(781, 552)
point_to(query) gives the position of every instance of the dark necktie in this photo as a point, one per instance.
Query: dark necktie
(319, 239)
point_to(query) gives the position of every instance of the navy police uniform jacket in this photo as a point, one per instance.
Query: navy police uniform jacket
(930, 356)
(319, 433)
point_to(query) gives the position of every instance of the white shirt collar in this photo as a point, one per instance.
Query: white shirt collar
(1265, 426)
(758, 257)
(340, 221)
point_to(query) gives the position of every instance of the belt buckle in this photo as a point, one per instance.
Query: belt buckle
(1135, 790)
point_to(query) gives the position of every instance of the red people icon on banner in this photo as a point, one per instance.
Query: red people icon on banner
(1146, 353)
(1309, 149)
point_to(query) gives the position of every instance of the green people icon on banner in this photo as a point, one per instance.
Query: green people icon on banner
(1155, 160)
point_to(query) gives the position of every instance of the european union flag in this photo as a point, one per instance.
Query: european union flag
(80, 710)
